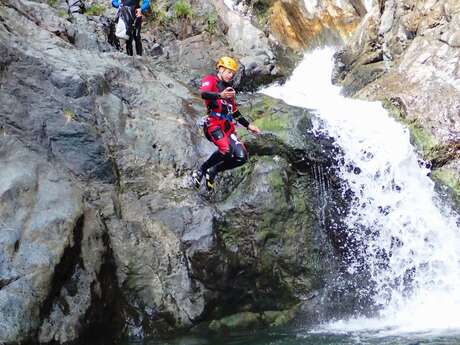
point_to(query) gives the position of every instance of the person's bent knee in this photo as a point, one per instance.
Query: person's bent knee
(243, 157)
(240, 154)
(241, 160)
(226, 152)
(240, 157)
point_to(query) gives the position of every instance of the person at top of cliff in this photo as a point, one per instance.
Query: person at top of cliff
(133, 18)
(219, 128)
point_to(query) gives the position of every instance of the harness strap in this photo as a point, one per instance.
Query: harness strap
(228, 117)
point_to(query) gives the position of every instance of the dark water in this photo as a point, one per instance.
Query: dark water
(304, 337)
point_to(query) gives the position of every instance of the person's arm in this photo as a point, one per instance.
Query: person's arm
(145, 6)
(254, 129)
(240, 118)
(210, 95)
(115, 3)
(245, 123)
(208, 89)
(226, 94)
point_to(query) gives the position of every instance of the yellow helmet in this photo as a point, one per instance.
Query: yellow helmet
(228, 63)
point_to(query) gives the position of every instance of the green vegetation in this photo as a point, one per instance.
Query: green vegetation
(450, 179)
(421, 138)
(160, 16)
(69, 115)
(52, 3)
(211, 22)
(261, 11)
(183, 9)
(261, 6)
(95, 10)
(261, 20)
(262, 108)
(63, 13)
(275, 124)
(267, 118)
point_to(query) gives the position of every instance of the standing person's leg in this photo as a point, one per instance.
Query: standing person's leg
(130, 20)
(129, 46)
(129, 42)
(137, 35)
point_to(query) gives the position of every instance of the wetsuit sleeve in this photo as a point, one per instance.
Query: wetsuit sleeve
(145, 6)
(115, 3)
(208, 89)
(239, 117)
(210, 95)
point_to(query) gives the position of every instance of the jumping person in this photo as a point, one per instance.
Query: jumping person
(134, 27)
(219, 98)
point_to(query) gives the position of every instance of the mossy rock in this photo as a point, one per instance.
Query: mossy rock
(450, 179)
(63, 13)
(243, 320)
(271, 248)
(268, 239)
(288, 124)
(275, 124)
(276, 318)
(431, 150)
(360, 76)
(251, 320)
(424, 141)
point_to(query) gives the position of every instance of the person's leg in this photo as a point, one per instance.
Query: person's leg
(197, 175)
(129, 18)
(129, 45)
(137, 35)
(238, 157)
(222, 141)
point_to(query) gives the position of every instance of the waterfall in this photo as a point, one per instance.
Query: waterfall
(368, 4)
(409, 241)
(311, 5)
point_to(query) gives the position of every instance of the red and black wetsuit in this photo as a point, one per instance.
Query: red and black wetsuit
(220, 128)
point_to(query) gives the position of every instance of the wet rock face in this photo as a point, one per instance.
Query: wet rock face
(40, 215)
(100, 226)
(270, 233)
(406, 54)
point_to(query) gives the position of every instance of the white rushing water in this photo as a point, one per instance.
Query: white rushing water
(368, 4)
(412, 243)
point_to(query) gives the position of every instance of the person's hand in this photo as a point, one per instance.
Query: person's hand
(253, 129)
(228, 93)
(138, 13)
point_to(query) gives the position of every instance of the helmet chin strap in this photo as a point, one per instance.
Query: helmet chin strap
(219, 73)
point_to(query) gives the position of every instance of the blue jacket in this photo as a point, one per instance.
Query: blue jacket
(144, 7)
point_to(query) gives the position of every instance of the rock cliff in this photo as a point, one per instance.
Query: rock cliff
(101, 232)
(406, 53)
